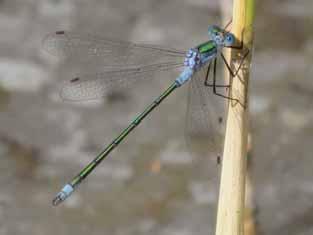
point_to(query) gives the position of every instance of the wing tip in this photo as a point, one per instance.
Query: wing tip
(60, 32)
(220, 120)
(75, 80)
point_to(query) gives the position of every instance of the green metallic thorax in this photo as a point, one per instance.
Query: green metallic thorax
(207, 47)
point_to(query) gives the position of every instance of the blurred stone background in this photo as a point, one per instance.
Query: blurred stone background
(148, 185)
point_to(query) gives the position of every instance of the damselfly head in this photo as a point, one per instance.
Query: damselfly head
(214, 31)
(220, 36)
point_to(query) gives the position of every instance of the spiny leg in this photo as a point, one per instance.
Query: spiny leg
(214, 86)
(226, 26)
(234, 74)
(240, 47)
(206, 81)
(214, 83)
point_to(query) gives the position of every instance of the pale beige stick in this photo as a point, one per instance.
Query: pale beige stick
(232, 188)
(249, 221)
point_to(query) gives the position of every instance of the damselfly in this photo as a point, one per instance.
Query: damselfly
(141, 61)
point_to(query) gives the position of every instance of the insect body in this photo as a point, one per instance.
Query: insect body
(135, 57)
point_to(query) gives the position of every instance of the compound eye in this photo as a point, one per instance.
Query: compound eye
(229, 39)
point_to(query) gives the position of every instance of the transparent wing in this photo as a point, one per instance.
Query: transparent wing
(96, 85)
(107, 52)
(205, 126)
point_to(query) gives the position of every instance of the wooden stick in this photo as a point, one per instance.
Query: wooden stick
(232, 187)
(249, 220)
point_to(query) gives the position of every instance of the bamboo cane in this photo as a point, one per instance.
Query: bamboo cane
(232, 187)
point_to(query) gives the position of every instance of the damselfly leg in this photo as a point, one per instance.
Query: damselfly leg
(214, 85)
(233, 74)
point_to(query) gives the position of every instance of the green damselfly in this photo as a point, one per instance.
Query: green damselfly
(139, 62)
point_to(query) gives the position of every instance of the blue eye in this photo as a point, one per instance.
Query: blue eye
(229, 39)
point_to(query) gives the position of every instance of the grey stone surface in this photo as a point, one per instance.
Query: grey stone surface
(141, 189)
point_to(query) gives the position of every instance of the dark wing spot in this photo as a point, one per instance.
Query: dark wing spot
(220, 120)
(75, 80)
(218, 160)
(59, 32)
